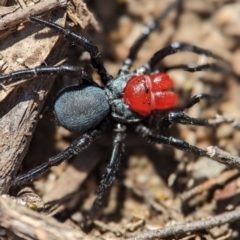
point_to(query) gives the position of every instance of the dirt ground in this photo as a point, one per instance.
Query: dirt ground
(152, 186)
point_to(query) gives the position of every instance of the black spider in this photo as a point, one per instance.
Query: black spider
(128, 99)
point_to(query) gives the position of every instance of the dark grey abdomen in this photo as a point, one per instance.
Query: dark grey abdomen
(80, 108)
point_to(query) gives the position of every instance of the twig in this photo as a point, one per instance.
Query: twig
(27, 224)
(223, 157)
(22, 3)
(226, 236)
(189, 237)
(222, 178)
(183, 229)
(21, 15)
(224, 119)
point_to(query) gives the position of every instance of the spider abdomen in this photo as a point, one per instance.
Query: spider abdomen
(145, 93)
(80, 108)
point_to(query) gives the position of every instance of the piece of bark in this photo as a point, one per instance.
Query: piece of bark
(29, 224)
(15, 18)
(78, 12)
(20, 105)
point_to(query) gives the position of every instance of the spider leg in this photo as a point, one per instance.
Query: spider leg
(172, 49)
(86, 43)
(109, 175)
(146, 31)
(190, 68)
(180, 117)
(194, 68)
(29, 74)
(196, 99)
(76, 147)
(170, 141)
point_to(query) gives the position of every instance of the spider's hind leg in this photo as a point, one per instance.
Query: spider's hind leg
(83, 41)
(109, 175)
(76, 147)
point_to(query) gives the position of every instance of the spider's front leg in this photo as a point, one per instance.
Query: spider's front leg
(182, 118)
(29, 74)
(109, 175)
(83, 41)
(146, 31)
(172, 49)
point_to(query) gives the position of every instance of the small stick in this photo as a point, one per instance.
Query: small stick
(22, 4)
(222, 178)
(221, 156)
(186, 228)
(21, 15)
(223, 119)
(226, 236)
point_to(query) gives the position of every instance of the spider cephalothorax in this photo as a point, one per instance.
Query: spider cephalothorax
(125, 100)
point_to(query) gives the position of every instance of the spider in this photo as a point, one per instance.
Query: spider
(128, 99)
